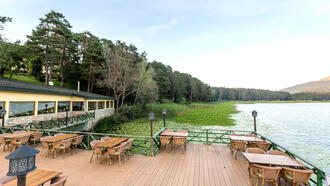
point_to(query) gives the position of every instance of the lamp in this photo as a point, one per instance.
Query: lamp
(46, 108)
(164, 114)
(67, 114)
(151, 118)
(21, 162)
(3, 112)
(255, 114)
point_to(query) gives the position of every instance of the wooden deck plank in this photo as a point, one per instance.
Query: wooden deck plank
(199, 165)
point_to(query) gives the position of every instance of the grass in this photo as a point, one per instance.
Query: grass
(32, 79)
(196, 114)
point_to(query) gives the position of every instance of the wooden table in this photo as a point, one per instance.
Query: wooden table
(175, 134)
(37, 177)
(270, 159)
(111, 142)
(59, 138)
(246, 138)
(19, 135)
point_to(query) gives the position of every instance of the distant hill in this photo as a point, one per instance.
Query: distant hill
(321, 86)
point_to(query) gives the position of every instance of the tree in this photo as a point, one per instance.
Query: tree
(3, 20)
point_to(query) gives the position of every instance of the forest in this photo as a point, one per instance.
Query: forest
(54, 53)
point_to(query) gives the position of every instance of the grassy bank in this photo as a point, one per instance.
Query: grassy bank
(196, 114)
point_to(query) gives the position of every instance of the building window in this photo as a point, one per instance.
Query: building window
(100, 104)
(46, 107)
(2, 106)
(78, 106)
(107, 104)
(91, 105)
(62, 105)
(111, 104)
(17, 109)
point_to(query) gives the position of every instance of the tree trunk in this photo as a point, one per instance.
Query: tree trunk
(46, 66)
(11, 74)
(89, 76)
(62, 68)
(50, 71)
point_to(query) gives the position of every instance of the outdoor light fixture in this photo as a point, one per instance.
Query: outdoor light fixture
(164, 114)
(3, 112)
(67, 114)
(255, 114)
(21, 162)
(46, 108)
(151, 118)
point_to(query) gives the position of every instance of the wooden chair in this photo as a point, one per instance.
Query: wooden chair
(96, 150)
(105, 138)
(5, 142)
(179, 141)
(168, 130)
(238, 146)
(59, 181)
(16, 143)
(265, 173)
(45, 145)
(116, 151)
(61, 146)
(77, 141)
(165, 141)
(256, 151)
(277, 152)
(35, 137)
(182, 131)
(250, 135)
(128, 147)
(263, 145)
(297, 176)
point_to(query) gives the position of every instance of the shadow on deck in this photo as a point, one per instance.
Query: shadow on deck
(199, 165)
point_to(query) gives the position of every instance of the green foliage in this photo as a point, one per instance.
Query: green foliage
(208, 114)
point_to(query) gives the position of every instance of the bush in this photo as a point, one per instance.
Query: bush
(165, 101)
(131, 112)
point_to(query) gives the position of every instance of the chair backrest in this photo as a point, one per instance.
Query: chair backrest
(24, 139)
(263, 145)
(250, 135)
(36, 136)
(233, 134)
(60, 181)
(129, 143)
(298, 175)
(179, 140)
(277, 152)
(255, 150)
(105, 138)
(268, 173)
(117, 150)
(67, 143)
(182, 131)
(94, 142)
(239, 145)
(164, 140)
(2, 140)
(79, 139)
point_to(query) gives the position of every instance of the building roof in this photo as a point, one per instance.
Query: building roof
(20, 86)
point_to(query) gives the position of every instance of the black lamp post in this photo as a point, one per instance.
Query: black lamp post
(255, 114)
(21, 162)
(164, 114)
(151, 118)
(3, 112)
(67, 114)
(46, 108)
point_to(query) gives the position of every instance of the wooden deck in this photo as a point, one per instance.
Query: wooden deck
(199, 165)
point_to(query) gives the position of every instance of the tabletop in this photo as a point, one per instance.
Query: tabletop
(111, 142)
(37, 177)
(246, 138)
(176, 134)
(19, 135)
(271, 159)
(59, 138)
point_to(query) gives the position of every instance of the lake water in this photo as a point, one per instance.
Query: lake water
(302, 128)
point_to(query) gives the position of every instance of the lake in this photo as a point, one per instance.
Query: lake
(302, 128)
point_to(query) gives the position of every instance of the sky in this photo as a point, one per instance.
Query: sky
(269, 44)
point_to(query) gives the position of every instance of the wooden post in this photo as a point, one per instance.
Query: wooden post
(255, 125)
(21, 180)
(151, 140)
(207, 136)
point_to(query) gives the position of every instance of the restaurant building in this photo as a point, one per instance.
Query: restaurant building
(26, 102)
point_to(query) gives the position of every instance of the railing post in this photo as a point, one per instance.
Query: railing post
(207, 136)
(320, 177)
(151, 146)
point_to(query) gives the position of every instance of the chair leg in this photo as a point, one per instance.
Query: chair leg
(119, 160)
(252, 180)
(90, 161)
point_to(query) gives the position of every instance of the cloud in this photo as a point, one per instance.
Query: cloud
(173, 22)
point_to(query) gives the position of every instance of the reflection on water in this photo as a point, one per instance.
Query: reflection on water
(302, 128)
